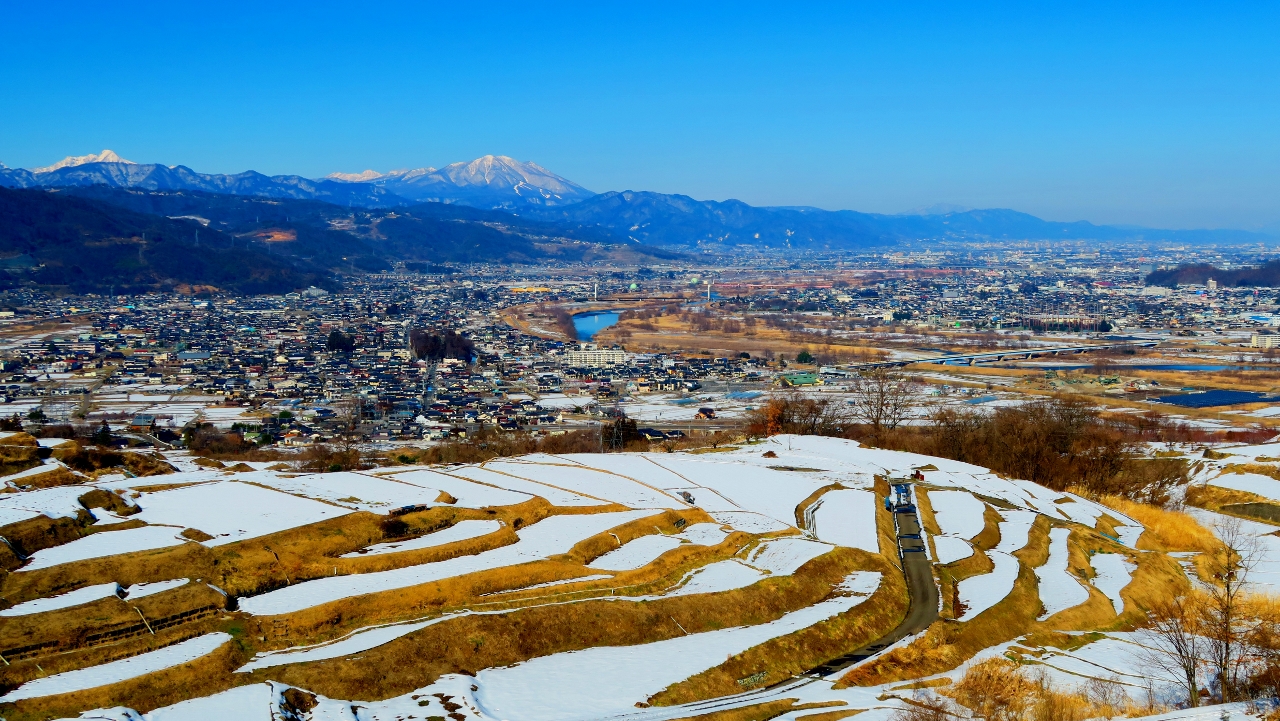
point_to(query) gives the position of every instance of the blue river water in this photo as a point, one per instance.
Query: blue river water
(588, 324)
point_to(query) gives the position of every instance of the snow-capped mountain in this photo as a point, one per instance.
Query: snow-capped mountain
(106, 156)
(107, 168)
(491, 181)
(364, 177)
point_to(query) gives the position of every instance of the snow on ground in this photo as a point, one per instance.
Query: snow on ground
(750, 522)
(555, 496)
(847, 518)
(637, 467)
(245, 703)
(549, 537)
(1081, 511)
(762, 490)
(640, 552)
(1118, 657)
(561, 401)
(1264, 486)
(979, 593)
(958, 513)
(589, 481)
(121, 483)
(460, 531)
(122, 670)
(1059, 590)
(635, 554)
(951, 549)
(1114, 572)
(80, 596)
(705, 498)
(23, 478)
(356, 491)
(140, 590)
(1265, 574)
(1014, 530)
(604, 681)
(231, 511)
(832, 459)
(57, 502)
(469, 493)
(1262, 450)
(784, 556)
(106, 543)
(715, 577)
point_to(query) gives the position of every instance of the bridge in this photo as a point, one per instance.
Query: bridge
(999, 356)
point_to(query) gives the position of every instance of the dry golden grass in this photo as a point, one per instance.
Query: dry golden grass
(71, 627)
(42, 532)
(333, 619)
(1262, 469)
(948, 643)
(829, 715)
(1166, 530)
(671, 333)
(774, 709)
(510, 636)
(261, 564)
(207, 675)
(507, 635)
(1214, 498)
(795, 653)
(763, 711)
(989, 538)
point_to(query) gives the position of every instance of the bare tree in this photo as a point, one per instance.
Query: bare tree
(1223, 622)
(1177, 648)
(348, 412)
(883, 398)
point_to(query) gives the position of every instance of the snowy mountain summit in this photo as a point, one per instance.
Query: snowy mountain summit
(106, 156)
(496, 181)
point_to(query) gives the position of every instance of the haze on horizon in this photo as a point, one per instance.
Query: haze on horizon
(1155, 114)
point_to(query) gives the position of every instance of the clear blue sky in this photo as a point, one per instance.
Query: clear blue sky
(1158, 114)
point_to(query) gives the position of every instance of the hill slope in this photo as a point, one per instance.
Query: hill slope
(93, 238)
(678, 220)
(90, 246)
(572, 586)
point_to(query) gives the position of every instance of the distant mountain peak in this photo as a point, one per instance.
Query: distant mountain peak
(364, 177)
(496, 181)
(106, 156)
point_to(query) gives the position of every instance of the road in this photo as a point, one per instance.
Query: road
(922, 590)
(998, 356)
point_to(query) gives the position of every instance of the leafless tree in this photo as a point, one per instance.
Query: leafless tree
(1223, 622)
(348, 412)
(883, 398)
(1177, 648)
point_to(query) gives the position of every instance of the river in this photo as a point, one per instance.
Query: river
(588, 324)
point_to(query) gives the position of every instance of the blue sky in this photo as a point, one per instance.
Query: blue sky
(1158, 114)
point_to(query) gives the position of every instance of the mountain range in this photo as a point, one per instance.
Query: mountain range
(498, 182)
(96, 221)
